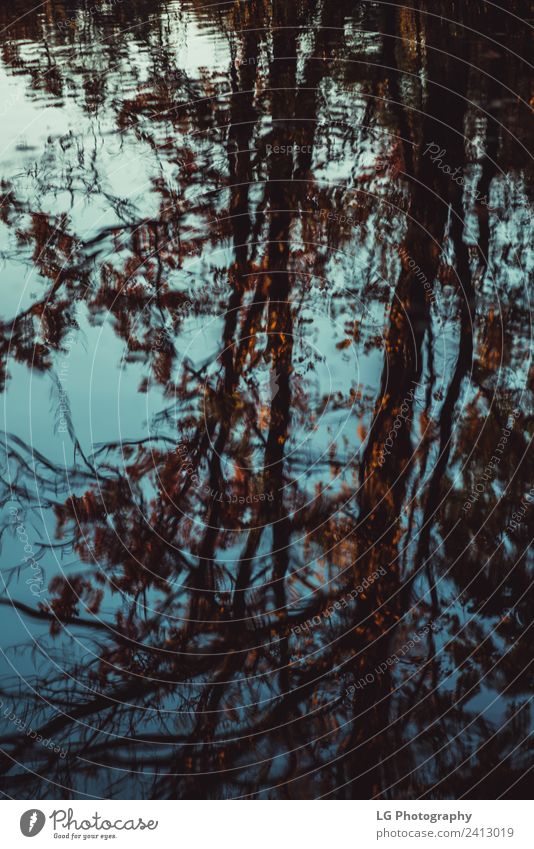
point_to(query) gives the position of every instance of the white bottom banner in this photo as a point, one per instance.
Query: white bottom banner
(242, 824)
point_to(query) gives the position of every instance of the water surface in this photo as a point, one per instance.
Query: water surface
(267, 483)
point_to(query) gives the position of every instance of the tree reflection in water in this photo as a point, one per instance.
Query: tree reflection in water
(266, 372)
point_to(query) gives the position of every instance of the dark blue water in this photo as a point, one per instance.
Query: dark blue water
(267, 482)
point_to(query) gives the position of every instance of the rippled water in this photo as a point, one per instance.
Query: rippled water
(267, 482)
